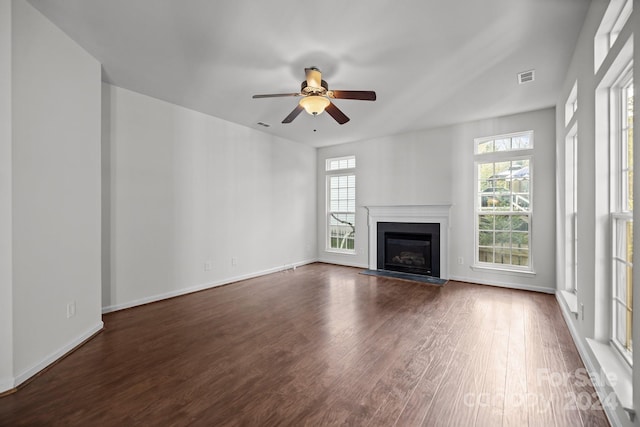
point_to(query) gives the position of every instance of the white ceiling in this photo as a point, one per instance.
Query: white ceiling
(431, 62)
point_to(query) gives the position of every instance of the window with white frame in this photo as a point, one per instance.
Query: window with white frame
(571, 106)
(571, 209)
(341, 204)
(503, 201)
(621, 95)
(614, 19)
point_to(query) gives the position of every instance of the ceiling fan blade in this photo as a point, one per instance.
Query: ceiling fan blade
(275, 95)
(336, 113)
(292, 115)
(314, 77)
(362, 95)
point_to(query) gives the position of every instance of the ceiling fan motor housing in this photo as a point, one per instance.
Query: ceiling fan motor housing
(309, 90)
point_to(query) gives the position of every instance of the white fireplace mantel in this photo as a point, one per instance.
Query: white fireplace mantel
(436, 214)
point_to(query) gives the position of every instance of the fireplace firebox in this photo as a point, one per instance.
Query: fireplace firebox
(409, 247)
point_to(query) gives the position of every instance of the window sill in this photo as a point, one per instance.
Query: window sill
(571, 300)
(338, 251)
(617, 374)
(511, 272)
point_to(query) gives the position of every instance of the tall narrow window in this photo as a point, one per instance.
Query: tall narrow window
(503, 201)
(571, 206)
(622, 215)
(341, 204)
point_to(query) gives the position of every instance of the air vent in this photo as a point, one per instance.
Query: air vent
(263, 124)
(526, 76)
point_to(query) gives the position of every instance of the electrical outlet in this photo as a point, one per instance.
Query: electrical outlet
(460, 260)
(234, 261)
(207, 266)
(71, 309)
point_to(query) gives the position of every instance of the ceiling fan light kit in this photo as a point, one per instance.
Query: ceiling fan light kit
(314, 104)
(316, 94)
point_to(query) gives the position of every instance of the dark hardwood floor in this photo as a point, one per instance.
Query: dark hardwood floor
(322, 345)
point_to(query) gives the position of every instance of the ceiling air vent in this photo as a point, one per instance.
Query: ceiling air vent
(526, 76)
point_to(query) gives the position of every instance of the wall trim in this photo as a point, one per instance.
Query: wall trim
(343, 263)
(587, 360)
(202, 287)
(57, 355)
(519, 286)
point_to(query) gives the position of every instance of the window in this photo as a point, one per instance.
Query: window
(571, 106)
(503, 201)
(613, 21)
(341, 204)
(622, 214)
(571, 209)
(348, 162)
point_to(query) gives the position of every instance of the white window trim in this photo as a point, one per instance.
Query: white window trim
(333, 159)
(571, 209)
(618, 195)
(571, 106)
(510, 155)
(613, 21)
(328, 175)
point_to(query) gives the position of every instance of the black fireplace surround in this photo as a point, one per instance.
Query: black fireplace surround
(409, 247)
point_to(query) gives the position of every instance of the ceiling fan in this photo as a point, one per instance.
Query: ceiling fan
(316, 97)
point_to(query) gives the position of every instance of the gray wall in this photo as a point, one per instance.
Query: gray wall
(437, 167)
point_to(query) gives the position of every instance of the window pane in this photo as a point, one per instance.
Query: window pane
(486, 222)
(621, 323)
(520, 223)
(520, 240)
(503, 238)
(485, 170)
(521, 142)
(502, 256)
(503, 222)
(621, 281)
(503, 144)
(520, 257)
(485, 147)
(485, 238)
(485, 254)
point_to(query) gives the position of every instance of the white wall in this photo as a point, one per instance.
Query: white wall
(56, 191)
(186, 189)
(436, 167)
(6, 280)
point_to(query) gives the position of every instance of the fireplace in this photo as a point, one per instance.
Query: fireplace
(436, 219)
(409, 247)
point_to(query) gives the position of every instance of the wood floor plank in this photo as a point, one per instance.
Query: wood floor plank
(515, 403)
(490, 401)
(322, 345)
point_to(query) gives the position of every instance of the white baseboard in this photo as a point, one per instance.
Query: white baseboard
(346, 264)
(53, 357)
(543, 289)
(197, 288)
(587, 360)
